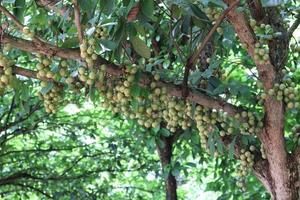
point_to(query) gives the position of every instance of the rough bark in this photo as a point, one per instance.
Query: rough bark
(281, 182)
(165, 155)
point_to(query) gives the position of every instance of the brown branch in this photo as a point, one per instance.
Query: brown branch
(256, 9)
(51, 5)
(202, 45)
(193, 58)
(17, 22)
(115, 70)
(77, 20)
(294, 27)
(12, 17)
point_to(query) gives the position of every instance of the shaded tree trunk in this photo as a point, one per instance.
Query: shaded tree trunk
(165, 155)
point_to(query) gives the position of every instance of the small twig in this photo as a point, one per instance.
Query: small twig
(12, 17)
(193, 58)
(77, 20)
(17, 22)
(294, 27)
(202, 45)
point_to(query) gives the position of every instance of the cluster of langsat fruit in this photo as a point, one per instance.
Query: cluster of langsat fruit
(213, 15)
(249, 124)
(285, 91)
(153, 106)
(6, 72)
(100, 32)
(296, 132)
(175, 114)
(43, 67)
(261, 53)
(88, 51)
(262, 151)
(206, 121)
(264, 32)
(27, 32)
(247, 162)
(52, 99)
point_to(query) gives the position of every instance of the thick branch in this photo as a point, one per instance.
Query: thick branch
(115, 70)
(256, 9)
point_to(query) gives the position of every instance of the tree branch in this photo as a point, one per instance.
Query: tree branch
(17, 22)
(77, 20)
(294, 27)
(51, 5)
(115, 70)
(193, 58)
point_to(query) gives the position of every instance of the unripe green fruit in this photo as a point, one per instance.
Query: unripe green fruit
(46, 62)
(26, 30)
(64, 63)
(4, 79)
(8, 71)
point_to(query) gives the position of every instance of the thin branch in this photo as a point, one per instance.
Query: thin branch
(34, 189)
(77, 20)
(201, 46)
(193, 58)
(51, 5)
(17, 22)
(12, 17)
(294, 27)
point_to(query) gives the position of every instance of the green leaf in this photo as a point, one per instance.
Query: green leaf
(271, 3)
(19, 9)
(140, 47)
(108, 44)
(107, 6)
(147, 8)
(9, 1)
(135, 90)
(211, 144)
(197, 12)
(70, 42)
(88, 5)
(231, 148)
(46, 89)
(165, 132)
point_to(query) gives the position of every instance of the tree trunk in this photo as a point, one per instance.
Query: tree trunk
(165, 155)
(279, 172)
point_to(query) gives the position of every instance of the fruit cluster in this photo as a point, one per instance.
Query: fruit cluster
(43, 67)
(88, 51)
(285, 91)
(262, 151)
(27, 32)
(261, 53)
(6, 72)
(248, 123)
(52, 99)
(247, 162)
(100, 32)
(213, 15)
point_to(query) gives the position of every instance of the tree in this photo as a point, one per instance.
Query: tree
(227, 69)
